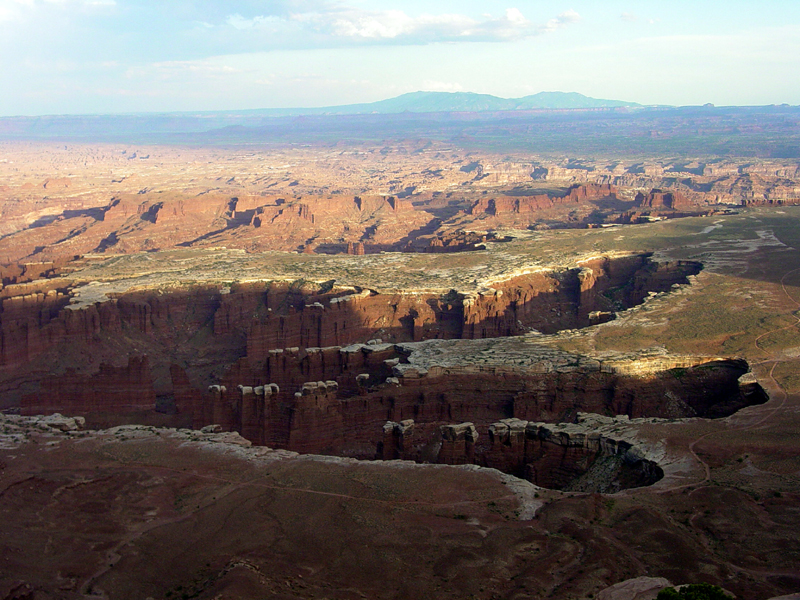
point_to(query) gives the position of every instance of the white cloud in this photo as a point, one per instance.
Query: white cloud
(562, 20)
(237, 21)
(197, 66)
(388, 24)
(346, 24)
(629, 17)
(513, 15)
(11, 10)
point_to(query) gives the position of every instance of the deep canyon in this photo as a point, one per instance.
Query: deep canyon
(320, 369)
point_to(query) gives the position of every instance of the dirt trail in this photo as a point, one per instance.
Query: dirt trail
(775, 389)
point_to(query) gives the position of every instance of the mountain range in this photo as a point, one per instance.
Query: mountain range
(430, 102)
(288, 123)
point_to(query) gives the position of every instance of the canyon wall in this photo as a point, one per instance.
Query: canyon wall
(110, 390)
(346, 414)
(422, 416)
(289, 333)
(500, 205)
(658, 199)
(576, 457)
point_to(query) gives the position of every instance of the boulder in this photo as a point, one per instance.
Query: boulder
(62, 423)
(639, 588)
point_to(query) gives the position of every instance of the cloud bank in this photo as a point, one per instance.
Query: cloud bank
(343, 25)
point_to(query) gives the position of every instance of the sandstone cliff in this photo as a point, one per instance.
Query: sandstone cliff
(347, 413)
(110, 390)
(290, 333)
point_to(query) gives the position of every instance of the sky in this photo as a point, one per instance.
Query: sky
(124, 56)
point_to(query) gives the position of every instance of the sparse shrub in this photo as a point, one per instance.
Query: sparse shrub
(694, 591)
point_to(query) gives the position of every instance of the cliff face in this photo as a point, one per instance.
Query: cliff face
(346, 414)
(26, 314)
(110, 390)
(38, 346)
(289, 333)
(499, 419)
(658, 199)
(501, 205)
(549, 302)
(577, 457)
(546, 301)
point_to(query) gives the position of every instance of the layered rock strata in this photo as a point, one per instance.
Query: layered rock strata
(594, 454)
(590, 455)
(111, 390)
(245, 333)
(501, 205)
(439, 383)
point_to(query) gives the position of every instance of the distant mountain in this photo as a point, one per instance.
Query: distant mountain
(438, 105)
(431, 102)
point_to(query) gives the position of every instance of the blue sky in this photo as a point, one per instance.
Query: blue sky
(107, 56)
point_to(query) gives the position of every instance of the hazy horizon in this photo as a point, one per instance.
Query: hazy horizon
(62, 57)
(303, 108)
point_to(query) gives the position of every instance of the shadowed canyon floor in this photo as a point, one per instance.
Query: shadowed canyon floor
(588, 388)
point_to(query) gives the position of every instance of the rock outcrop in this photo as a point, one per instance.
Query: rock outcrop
(501, 205)
(288, 334)
(458, 444)
(639, 588)
(658, 199)
(521, 421)
(421, 388)
(398, 439)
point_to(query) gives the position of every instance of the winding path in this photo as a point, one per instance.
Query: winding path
(776, 390)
